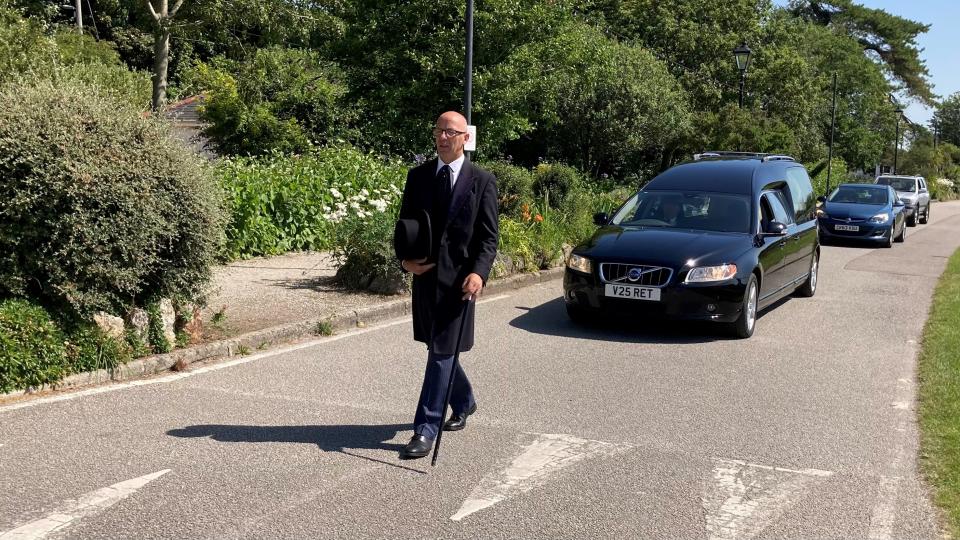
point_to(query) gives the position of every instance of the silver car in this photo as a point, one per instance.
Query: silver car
(913, 191)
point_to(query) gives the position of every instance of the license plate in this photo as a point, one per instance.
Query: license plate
(853, 228)
(632, 292)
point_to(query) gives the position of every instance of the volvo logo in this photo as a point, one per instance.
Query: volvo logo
(634, 274)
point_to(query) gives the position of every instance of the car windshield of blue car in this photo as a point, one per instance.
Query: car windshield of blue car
(899, 184)
(718, 212)
(859, 195)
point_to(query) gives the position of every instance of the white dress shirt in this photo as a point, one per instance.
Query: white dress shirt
(454, 169)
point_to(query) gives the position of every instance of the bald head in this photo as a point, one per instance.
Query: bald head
(450, 134)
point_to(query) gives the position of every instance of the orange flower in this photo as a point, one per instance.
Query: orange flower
(538, 218)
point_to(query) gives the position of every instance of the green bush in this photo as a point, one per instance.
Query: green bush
(554, 181)
(32, 348)
(279, 100)
(89, 349)
(102, 209)
(514, 186)
(284, 203)
(365, 254)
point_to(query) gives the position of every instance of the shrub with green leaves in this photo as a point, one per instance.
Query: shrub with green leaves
(277, 100)
(32, 350)
(554, 182)
(101, 209)
(514, 186)
(365, 254)
(281, 203)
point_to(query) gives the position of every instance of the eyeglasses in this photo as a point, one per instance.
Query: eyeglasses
(450, 133)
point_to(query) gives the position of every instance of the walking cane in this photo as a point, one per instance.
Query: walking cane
(453, 373)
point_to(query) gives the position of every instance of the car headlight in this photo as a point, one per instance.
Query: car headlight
(705, 274)
(880, 218)
(580, 264)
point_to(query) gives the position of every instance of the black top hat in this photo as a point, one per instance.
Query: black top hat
(413, 237)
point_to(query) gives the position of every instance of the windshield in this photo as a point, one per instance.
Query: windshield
(717, 212)
(859, 195)
(899, 184)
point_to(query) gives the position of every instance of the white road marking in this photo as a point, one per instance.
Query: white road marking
(742, 498)
(88, 505)
(214, 367)
(548, 454)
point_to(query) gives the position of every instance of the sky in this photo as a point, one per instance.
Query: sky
(941, 44)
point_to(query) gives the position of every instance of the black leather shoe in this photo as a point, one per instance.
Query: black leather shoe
(418, 447)
(459, 421)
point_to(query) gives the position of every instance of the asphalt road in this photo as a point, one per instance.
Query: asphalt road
(806, 430)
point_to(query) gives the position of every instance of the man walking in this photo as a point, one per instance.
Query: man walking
(461, 200)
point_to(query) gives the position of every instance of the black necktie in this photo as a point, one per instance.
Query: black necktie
(443, 177)
(441, 204)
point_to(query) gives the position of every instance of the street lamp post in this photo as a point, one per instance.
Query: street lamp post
(742, 55)
(896, 147)
(468, 70)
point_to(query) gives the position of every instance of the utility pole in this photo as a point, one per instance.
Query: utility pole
(896, 148)
(79, 9)
(833, 124)
(468, 70)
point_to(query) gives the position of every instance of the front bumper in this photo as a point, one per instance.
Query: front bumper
(677, 301)
(865, 230)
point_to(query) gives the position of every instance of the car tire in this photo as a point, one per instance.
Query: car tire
(888, 239)
(926, 216)
(912, 220)
(809, 287)
(902, 236)
(743, 327)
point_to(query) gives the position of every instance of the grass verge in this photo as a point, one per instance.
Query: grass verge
(940, 396)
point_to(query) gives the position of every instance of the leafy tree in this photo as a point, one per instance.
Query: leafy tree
(280, 99)
(947, 119)
(588, 100)
(890, 39)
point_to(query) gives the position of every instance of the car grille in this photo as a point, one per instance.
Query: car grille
(651, 276)
(844, 221)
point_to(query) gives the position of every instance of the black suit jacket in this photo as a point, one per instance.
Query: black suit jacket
(468, 244)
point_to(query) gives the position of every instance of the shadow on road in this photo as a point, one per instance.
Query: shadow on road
(551, 319)
(328, 438)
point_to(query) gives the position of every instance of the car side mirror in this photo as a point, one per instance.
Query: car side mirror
(600, 218)
(822, 199)
(899, 202)
(775, 228)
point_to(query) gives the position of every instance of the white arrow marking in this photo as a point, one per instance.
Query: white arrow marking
(743, 498)
(87, 505)
(548, 454)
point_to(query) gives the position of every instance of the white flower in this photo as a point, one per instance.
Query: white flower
(336, 194)
(341, 206)
(355, 205)
(379, 204)
(364, 192)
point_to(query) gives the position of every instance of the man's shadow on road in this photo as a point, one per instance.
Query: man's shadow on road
(335, 438)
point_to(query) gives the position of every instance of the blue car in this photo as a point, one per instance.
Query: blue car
(864, 212)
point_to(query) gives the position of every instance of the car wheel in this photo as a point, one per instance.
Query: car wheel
(809, 287)
(912, 220)
(903, 235)
(926, 216)
(743, 327)
(888, 239)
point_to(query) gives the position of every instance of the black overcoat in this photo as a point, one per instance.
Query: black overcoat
(467, 244)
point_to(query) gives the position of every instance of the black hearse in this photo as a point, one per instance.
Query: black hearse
(715, 238)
